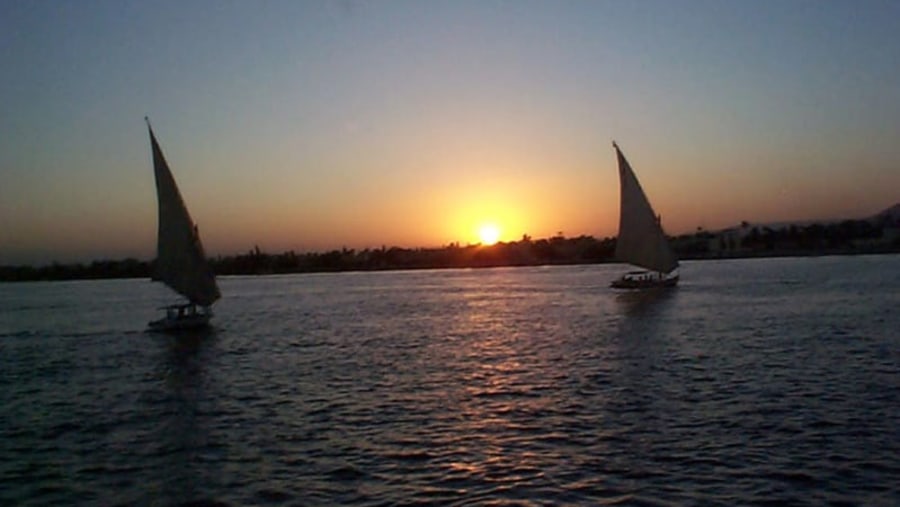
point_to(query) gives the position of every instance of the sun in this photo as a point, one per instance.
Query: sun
(489, 234)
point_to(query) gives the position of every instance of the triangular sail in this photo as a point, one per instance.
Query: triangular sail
(180, 261)
(641, 240)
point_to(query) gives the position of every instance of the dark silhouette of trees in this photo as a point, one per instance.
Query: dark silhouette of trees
(848, 236)
(127, 268)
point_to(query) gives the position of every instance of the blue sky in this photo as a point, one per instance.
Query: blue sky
(317, 125)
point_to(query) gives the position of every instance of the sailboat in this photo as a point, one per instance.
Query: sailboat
(641, 240)
(180, 261)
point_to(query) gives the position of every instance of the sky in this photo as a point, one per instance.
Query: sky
(309, 126)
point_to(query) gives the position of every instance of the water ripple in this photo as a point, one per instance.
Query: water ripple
(470, 387)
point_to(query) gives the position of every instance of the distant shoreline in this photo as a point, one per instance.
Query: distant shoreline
(851, 237)
(5, 271)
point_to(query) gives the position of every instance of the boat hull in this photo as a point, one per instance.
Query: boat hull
(181, 318)
(643, 280)
(179, 324)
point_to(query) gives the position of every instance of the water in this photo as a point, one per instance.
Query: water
(772, 381)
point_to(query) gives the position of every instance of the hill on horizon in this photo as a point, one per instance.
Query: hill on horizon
(890, 214)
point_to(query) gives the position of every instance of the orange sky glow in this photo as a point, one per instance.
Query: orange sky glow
(312, 127)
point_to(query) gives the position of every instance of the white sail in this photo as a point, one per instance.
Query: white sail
(180, 261)
(641, 240)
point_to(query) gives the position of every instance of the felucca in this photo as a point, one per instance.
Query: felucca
(180, 261)
(641, 240)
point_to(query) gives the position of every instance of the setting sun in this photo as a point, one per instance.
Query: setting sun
(489, 234)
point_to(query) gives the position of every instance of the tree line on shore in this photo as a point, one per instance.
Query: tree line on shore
(846, 237)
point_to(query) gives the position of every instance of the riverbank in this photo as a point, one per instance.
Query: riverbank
(793, 241)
